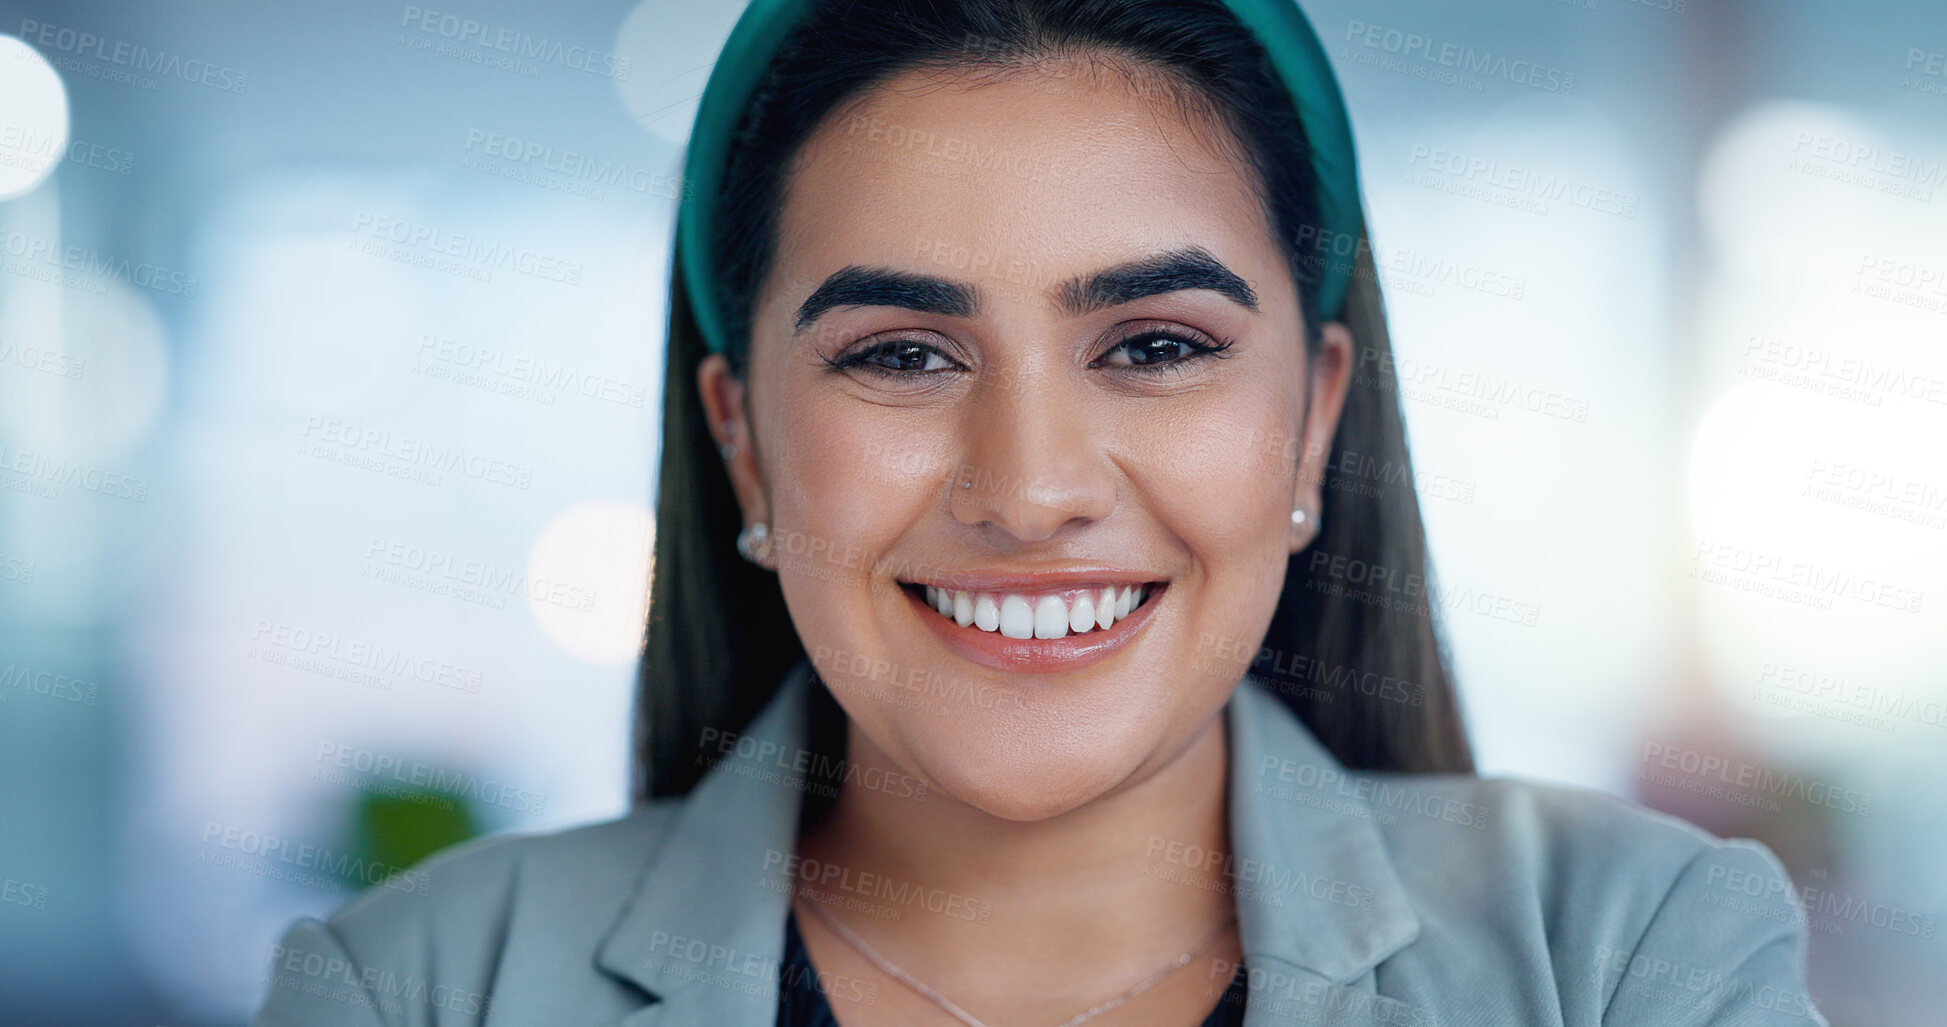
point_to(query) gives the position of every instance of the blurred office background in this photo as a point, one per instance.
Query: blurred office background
(329, 359)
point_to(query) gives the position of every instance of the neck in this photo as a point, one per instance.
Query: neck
(1126, 876)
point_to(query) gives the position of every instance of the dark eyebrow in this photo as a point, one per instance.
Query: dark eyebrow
(857, 286)
(1177, 270)
(1192, 268)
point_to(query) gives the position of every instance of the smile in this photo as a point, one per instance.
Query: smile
(1036, 629)
(1038, 615)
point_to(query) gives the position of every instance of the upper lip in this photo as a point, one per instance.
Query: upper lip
(1034, 581)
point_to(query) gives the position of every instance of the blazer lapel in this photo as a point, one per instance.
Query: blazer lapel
(1318, 902)
(704, 932)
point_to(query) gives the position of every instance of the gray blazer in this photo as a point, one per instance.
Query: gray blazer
(1362, 898)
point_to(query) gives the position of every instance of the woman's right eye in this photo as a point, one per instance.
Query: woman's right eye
(895, 357)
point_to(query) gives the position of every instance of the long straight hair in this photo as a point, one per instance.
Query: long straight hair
(1368, 675)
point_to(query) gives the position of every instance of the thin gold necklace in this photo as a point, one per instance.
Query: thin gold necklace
(886, 965)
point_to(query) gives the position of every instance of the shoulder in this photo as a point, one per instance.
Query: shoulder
(488, 878)
(1632, 914)
(447, 934)
(1558, 834)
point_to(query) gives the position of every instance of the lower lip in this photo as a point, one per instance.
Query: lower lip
(1035, 655)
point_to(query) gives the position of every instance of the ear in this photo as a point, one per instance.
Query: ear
(723, 397)
(1331, 374)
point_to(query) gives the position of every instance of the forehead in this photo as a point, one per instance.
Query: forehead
(1069, 165)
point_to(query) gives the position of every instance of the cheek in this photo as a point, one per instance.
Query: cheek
(847, 481)
(1220, 473)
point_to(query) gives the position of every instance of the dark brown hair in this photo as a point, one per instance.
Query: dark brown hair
(1368, 675)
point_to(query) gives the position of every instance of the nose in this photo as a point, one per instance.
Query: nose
(1033, 459)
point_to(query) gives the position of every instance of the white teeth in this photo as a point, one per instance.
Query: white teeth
(1017, 618)
(1050, 618)
(1047, 616)
(987, 612)
(1082, 616)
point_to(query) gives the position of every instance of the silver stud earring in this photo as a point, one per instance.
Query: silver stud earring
(1299, 517)
(750, 538)
(728, 449)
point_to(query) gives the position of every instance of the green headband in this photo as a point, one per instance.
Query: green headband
(1278, 25)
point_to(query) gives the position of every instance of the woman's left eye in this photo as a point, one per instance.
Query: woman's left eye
(1161, 349)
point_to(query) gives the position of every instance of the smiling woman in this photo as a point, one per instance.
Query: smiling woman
(1012, 657)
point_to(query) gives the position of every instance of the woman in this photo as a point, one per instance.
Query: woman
(1004, 661)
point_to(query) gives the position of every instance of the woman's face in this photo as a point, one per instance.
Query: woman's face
(1016, 281)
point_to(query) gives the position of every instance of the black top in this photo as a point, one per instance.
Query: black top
(801, 1002)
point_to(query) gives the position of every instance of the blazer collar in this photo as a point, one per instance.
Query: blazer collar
(704, 930)
(1315, 884)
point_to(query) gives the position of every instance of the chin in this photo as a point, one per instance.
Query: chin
(1031, 775)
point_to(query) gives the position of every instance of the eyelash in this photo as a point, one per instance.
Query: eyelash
(860, 358)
